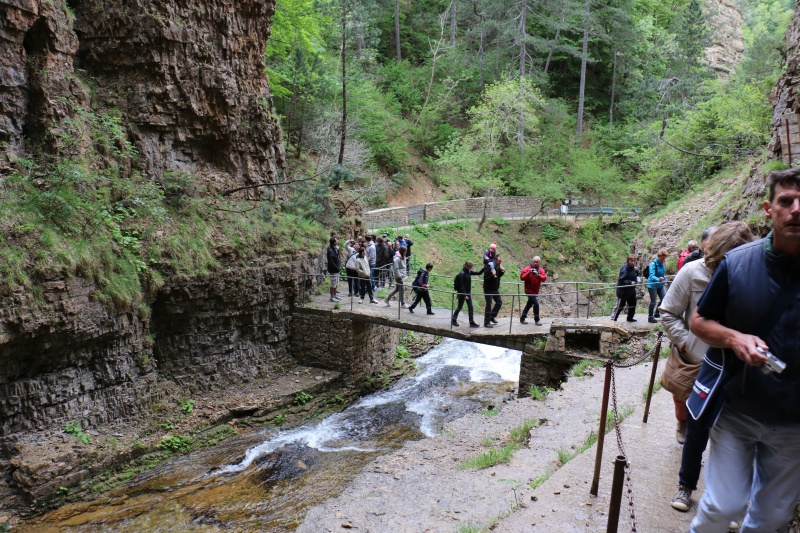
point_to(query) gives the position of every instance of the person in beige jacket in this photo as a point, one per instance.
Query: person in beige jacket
(676, 311)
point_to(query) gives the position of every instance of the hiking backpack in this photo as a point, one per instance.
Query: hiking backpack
(416, 283)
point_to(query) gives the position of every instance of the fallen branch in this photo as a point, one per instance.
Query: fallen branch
(231, 191)
(689, 152)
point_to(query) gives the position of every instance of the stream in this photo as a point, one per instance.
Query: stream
(266, 480)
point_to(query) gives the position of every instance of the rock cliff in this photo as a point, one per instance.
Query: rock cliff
(785, 95)
(187, 77)
(727, 41)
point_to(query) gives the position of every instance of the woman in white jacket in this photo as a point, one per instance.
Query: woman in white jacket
(363, 270)
(400, 273)
(676, 310)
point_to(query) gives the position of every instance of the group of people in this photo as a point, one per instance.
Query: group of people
(374, 262)
(493, 270)
(371, 262)
(365, 265)
(731, 312)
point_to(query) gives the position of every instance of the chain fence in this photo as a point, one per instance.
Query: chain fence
(611, 383)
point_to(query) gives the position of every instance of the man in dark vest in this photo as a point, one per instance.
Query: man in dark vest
(491, 291)
(751, 309)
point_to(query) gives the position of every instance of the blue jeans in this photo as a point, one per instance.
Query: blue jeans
(751, 461)
(660, 292)
(692, 455)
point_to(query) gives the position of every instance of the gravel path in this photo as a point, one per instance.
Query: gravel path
(422, 488)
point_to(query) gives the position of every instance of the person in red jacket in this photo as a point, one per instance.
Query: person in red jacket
(691, 246)
(533, 275)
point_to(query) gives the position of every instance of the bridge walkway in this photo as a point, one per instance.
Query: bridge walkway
(508, 333)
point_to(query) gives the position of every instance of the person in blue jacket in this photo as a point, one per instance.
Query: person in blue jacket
(655, 283)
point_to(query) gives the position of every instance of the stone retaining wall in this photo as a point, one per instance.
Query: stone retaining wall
(501, 206)
(356, 349)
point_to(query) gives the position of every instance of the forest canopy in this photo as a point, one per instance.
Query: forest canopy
(611, 101)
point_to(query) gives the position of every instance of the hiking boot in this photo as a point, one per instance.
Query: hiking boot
(373, 301)
(430, 312)
(523, 321)
(652, 320)
(680, 433)
(683, 499)
(411, 310)
(474, 325)
(493, 321)
(488, 325)
(453, 322)
(387, 303)
(631, 320)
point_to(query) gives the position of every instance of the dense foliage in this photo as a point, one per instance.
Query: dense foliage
(489, 93)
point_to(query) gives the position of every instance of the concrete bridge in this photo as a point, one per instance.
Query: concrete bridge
(547, 350)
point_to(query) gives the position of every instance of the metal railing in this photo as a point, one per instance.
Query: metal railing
(514, 290)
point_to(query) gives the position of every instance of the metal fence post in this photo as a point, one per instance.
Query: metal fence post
(601, 434)
(616, 494)
(452, 299)
(656, 355)
(511, 318)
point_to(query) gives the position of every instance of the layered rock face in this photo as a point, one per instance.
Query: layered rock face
(785, 95)
(72, 359)
(727, 41)
(188, 78)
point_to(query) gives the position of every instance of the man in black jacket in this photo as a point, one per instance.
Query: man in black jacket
(420, 287)
(334, 267)
(491, 291)
(463, 286)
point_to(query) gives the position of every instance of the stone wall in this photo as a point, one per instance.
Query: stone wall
(550, 355)
(187, 77)
(357, 349)
(230, 327)
(472, 208)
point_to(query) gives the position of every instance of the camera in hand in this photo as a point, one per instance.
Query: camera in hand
(772, 364)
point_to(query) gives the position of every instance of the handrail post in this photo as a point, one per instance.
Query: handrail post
(452, 299)
(656, 355)
(616, 494)
(601, 434)
(511, 318)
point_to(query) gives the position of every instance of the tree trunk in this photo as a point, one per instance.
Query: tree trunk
(482, 46)
(523, 36)
(344, 82)
(555, 41)
(523, 52)
(613, 87)
(397, 30)
(300, 132)
(453, 22)
(583, 71)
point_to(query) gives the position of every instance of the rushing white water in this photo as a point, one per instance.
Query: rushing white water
(423, 395)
